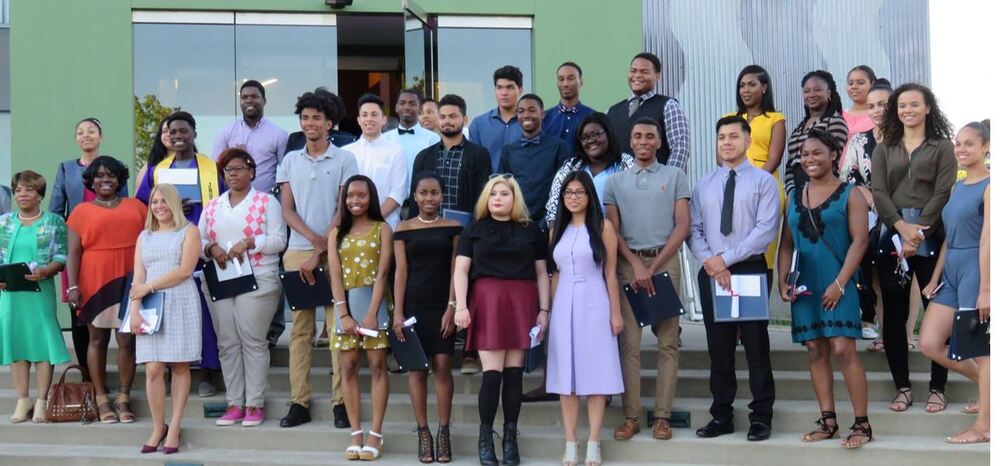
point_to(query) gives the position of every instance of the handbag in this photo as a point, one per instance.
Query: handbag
(72, 402)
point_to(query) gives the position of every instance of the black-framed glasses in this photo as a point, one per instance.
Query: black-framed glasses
(235, 169)
(505, 176)
(581, 194)
(587, 137)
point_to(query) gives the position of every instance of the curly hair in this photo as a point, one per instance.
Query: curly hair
(936, 126)
(111, 164)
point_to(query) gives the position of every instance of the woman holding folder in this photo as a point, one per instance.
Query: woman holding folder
(243, 228)
(166, 255)
(826, 222)
(363, 241)
(424, 249)
(29, 330)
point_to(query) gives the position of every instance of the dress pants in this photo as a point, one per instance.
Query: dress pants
(667, 333)
(241, 325)
(300, 345)
(722, 352)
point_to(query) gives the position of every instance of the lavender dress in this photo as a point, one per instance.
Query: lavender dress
(583, 354)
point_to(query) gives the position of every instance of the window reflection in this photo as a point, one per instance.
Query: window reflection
(468, 58)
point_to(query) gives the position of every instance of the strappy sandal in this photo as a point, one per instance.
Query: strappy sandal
(593, 457)
(935, 406)
(425, 445)
(123, 409)
(828, 431)
(353, 452)
(444, 444)
(876, 346)
(961, 439)
(104, 410)
(861, 429)
(370, 453)
(569, 454)
(899, 405)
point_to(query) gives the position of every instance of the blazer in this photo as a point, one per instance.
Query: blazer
(473, 174)
(68, 190)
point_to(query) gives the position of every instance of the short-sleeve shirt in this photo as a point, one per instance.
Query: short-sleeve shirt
(645, 199)
(315, 184)
(503, 249)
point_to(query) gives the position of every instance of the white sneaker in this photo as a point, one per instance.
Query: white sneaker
(869, 333)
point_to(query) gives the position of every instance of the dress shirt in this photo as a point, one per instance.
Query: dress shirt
(490, 131)
(412, 144)
(265, 143)
(382, 161)
(562, 121)
(534, 162)
(676, 128)
(755, 215)
(230, 224)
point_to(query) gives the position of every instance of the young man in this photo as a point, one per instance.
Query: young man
(410, 134)
(648, 206)
(264, 140)
(734, 215)
(643, 74)
(535, 158)
(379, 159)
(499, 126)
(562, 119)
(297, 140)
(312, 180)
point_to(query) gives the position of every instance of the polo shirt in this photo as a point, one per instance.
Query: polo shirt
(490, 131)
(315, 184)
(645, 199)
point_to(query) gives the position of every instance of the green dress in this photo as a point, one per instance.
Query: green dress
(29, 330)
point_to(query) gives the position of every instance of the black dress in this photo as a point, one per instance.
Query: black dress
(428, 278)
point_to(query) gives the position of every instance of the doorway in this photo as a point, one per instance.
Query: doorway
(370, 60)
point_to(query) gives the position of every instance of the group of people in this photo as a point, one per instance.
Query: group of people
(537, 218)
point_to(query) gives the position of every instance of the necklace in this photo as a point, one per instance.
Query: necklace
(110, 203)
(36, 217)
(421, 219)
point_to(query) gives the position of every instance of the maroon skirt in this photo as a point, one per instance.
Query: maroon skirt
(503, 312)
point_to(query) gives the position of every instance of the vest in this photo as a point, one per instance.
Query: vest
(621, 123)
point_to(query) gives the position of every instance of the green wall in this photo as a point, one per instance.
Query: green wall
(73, 59)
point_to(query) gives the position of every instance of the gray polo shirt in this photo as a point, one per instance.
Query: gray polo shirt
(645, 199)
(315, 184)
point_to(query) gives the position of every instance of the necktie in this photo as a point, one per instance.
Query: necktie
(633, 105)
(727, 204)
(405, 131)
(525, 142)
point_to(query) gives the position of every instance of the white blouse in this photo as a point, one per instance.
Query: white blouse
(224, 224)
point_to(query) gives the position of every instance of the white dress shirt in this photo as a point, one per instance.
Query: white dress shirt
(384, 162)
(229, 223)
(421, 139)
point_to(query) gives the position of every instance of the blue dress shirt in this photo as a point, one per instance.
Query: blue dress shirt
(534, 162)
(490, 131)
(562, 121)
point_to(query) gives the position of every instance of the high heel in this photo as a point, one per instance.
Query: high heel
(22, 411)
(353, 452)
(151, 448)
(171, 450)
(41, 406)
(487, 451)
(444, 444)
(425, 445)
(511, 455)
(370, 453)
(593, 457)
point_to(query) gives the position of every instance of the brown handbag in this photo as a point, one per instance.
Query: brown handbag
(72, 402)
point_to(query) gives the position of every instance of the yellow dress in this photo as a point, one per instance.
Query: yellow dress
(359, 257)
(760, 148)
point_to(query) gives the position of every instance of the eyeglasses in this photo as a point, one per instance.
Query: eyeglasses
(235, 169)
(575, 194)
(586, 137)
(505, 176)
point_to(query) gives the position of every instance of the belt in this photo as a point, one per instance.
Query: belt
(648, 253)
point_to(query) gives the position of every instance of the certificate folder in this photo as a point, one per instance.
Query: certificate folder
(663, 305)
(234, 280)
(746, 300)
(459, 216)
(970, 338)
(408, 353)
(358, 302)
(151, 311)
(301, 295)
(536, 353)
(185, 180)
(13, 276)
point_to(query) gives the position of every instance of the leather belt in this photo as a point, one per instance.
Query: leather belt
(647, 253)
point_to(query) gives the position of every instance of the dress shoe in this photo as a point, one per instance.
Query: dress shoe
(661, 429)
(759, 431)
(715, 428)
(340, 419)
(627, 430)
(297, 415)
(146, 449)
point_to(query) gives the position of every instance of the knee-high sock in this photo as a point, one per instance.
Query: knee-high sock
(489, 396)
(512, 389)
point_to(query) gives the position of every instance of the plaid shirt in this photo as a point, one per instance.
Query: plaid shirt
(676, 129)
(448, 166)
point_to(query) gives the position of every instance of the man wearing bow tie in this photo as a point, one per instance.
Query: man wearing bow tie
(563, 118)
(412, 137)
(534, 158)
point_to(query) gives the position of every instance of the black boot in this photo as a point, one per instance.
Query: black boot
(487, 452)
(511, 457)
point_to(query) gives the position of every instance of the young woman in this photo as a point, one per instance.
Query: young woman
(827, 223)
(822, 111)
(429, 115)
(963, 272)
(860, 81)
(246, 225)
(501, 291)
(424, 248)
(166, 254)
(101, 242)
(162, 148)
(586, 317)
(29, 329)
(363, 242)
(913, 172)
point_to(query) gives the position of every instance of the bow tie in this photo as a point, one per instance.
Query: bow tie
(565, 109)
(525, 142)
(405, 131)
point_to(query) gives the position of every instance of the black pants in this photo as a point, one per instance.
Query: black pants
(722, 352)
(895, 313)
(867, 271)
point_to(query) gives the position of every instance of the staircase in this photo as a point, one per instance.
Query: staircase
(913, 438)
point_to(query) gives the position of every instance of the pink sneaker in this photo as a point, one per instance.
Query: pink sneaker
(255, 416)
(233, 415)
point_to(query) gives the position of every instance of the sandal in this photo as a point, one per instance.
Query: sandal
(353, 452)
(104, 411)
(899, 405)
(593, 454)
(862, 430)
(963, 438)
(935, 406)
(825, 431)
(123, 410)
(425, 445)
(368, 452)
(876, 346)
(569, 455)
(22, 411)
(971, 408)
(444, 444)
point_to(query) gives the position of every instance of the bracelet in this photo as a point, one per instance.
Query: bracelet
(462, 309)
(72, 288)
(338, 303)
(452, 304)
(343, 315)
(543, 310)
(839, 286)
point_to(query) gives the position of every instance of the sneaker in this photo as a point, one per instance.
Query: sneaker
(869, 333)
(470, 366)
(206, 389)
(255, 416)
(233, 415)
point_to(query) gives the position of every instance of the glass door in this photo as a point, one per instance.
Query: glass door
(420, 42)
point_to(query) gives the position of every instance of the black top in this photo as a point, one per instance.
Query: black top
(474, 172)
(503, 249)
(428, 267)
(621, 123)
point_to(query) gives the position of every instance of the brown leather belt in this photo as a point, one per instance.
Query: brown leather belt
(647, 253)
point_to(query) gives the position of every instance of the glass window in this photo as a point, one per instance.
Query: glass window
(5, 154)
(470, 75)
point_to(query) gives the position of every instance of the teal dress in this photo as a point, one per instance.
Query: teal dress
(29, 330)
(818, 268)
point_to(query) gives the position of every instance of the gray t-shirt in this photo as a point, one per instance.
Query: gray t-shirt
(645, 199)
(315, 184)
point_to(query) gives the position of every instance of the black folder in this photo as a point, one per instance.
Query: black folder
(929, 247)
(152, 301)
(13, 276)
(123, 305)
(229, 288)
(409, 353)
(535, 354)
(970, 338)
(301, 295)
(793, 272)
(665, 304)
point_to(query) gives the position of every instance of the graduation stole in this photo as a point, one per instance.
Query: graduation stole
(208, 175)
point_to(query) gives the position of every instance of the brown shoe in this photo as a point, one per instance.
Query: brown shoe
(661, 429)
(627, 430)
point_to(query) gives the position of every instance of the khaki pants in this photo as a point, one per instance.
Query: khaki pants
(667, 333)
(300, 346)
